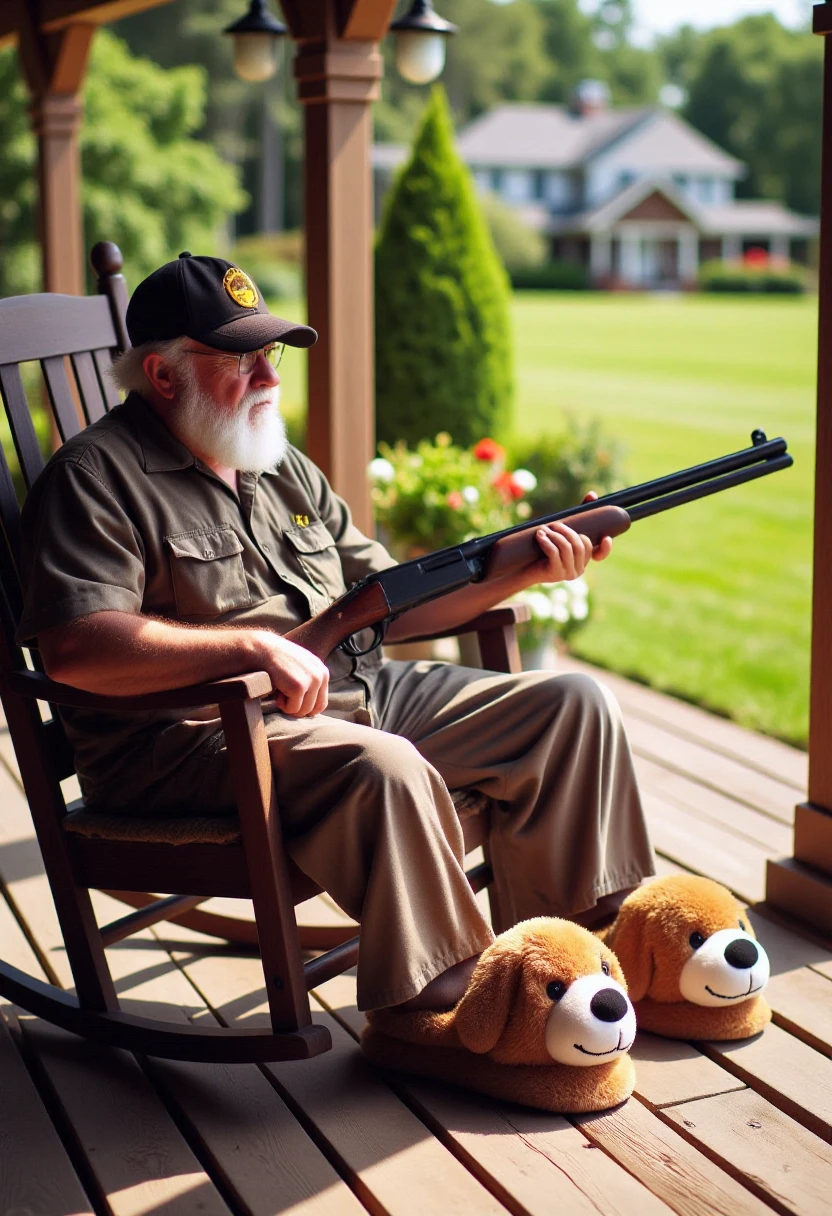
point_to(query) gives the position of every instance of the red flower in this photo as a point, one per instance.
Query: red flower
(489, 449)
(507, 487)
(455, 500)
(755, 256)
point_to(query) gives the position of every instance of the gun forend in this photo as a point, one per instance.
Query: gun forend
(520, 549)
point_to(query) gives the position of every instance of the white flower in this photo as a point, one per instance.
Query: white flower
(471, 494)
(540, 605)
(525, 479)
(560, 604)
(381, 469)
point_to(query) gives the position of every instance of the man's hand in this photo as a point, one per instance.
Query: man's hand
(566, 552)
(299, 678)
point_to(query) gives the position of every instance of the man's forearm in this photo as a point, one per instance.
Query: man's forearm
(122, 654)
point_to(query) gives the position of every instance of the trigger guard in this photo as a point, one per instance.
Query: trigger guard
(349, 647)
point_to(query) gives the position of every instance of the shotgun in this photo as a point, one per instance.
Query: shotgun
(378, 599)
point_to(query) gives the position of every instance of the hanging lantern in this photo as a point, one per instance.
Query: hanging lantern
(255, 42)
(421, 36)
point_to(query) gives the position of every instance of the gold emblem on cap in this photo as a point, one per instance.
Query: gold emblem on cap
(240, 287)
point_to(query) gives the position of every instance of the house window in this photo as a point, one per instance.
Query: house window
(680, 181)
(557, 191)
(707, 190)
(625, 179)
(482, 177)
(496, 180)
(517, 186)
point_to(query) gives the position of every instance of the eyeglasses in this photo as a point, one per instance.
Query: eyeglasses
(247, 361)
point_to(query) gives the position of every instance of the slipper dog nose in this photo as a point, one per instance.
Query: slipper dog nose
(741, 954)
(608, 1005)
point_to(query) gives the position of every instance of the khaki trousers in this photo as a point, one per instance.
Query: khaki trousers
(368, 815)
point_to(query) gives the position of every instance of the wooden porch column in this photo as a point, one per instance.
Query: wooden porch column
(54, 66)
(338, 67)
(802, 884)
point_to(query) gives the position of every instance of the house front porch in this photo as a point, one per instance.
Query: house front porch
(743, 1129)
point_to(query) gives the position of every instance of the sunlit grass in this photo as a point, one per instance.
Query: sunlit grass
(711, 600)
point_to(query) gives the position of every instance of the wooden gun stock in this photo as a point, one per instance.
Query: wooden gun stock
(520, 549)
(354, 611)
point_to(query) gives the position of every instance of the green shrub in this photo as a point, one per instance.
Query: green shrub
(519, 246)
(738, 277)
(551, 276)
(443, 330)
(581, 457)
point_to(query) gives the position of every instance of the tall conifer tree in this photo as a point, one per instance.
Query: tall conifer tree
(443, 337)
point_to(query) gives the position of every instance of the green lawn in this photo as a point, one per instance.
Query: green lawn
(710, 601)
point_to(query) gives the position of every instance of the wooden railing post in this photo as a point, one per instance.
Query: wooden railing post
(54, 66)
(802, 885)
(338, 68)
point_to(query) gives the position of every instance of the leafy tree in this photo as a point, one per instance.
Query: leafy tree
(443, 341)
(147, 183)
(190, 31)
(582, 44)
(756, 88)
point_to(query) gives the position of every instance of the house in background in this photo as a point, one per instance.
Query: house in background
(637, 196)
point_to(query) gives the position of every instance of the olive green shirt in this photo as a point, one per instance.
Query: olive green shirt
(126, 518)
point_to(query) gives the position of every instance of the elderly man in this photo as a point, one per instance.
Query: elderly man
(180, 538)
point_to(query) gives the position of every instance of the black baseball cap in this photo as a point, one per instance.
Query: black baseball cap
(211, 301)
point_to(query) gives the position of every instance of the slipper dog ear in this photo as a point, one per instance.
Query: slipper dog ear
(629, 940)
(480, 1017)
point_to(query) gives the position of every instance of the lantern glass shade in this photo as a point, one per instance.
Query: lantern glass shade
(420, 55)
(255, 56)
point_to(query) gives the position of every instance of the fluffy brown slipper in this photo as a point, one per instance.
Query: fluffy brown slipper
(545, 1022)
(694, 967)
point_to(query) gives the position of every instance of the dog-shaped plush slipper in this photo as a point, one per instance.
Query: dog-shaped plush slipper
(694, 967)
(545, 1022)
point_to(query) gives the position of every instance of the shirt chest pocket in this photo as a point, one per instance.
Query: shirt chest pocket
(315, 551)
(207, 572)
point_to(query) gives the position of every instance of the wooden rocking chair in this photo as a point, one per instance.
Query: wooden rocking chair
(73, 340)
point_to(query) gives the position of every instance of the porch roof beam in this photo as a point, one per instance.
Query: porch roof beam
(56, 15)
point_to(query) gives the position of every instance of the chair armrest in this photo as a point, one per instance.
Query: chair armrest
(498, 617)
(235, 688)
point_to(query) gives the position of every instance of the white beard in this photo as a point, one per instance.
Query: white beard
(234, 440)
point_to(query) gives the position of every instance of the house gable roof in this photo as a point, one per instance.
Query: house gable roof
(541, 136)
(622, 205)
(550, 137)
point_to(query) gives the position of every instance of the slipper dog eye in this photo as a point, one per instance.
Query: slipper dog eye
(556, 990)
(605, 967)
(696, 940)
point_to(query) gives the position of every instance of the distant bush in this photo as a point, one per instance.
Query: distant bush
(275, 262)
(443, 329)
(567, 464)
(749, 276)
(519, 246)
(551, 276)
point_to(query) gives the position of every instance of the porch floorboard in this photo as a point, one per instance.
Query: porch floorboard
(733, 1129)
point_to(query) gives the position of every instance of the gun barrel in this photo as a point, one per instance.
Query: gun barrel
(762, 453)
(715, 485)
(764, 456)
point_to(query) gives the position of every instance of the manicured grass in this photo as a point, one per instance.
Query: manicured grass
(711, 601)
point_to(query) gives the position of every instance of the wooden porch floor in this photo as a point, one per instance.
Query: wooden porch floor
(730, 1130)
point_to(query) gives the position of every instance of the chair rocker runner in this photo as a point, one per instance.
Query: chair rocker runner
(73, 339)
